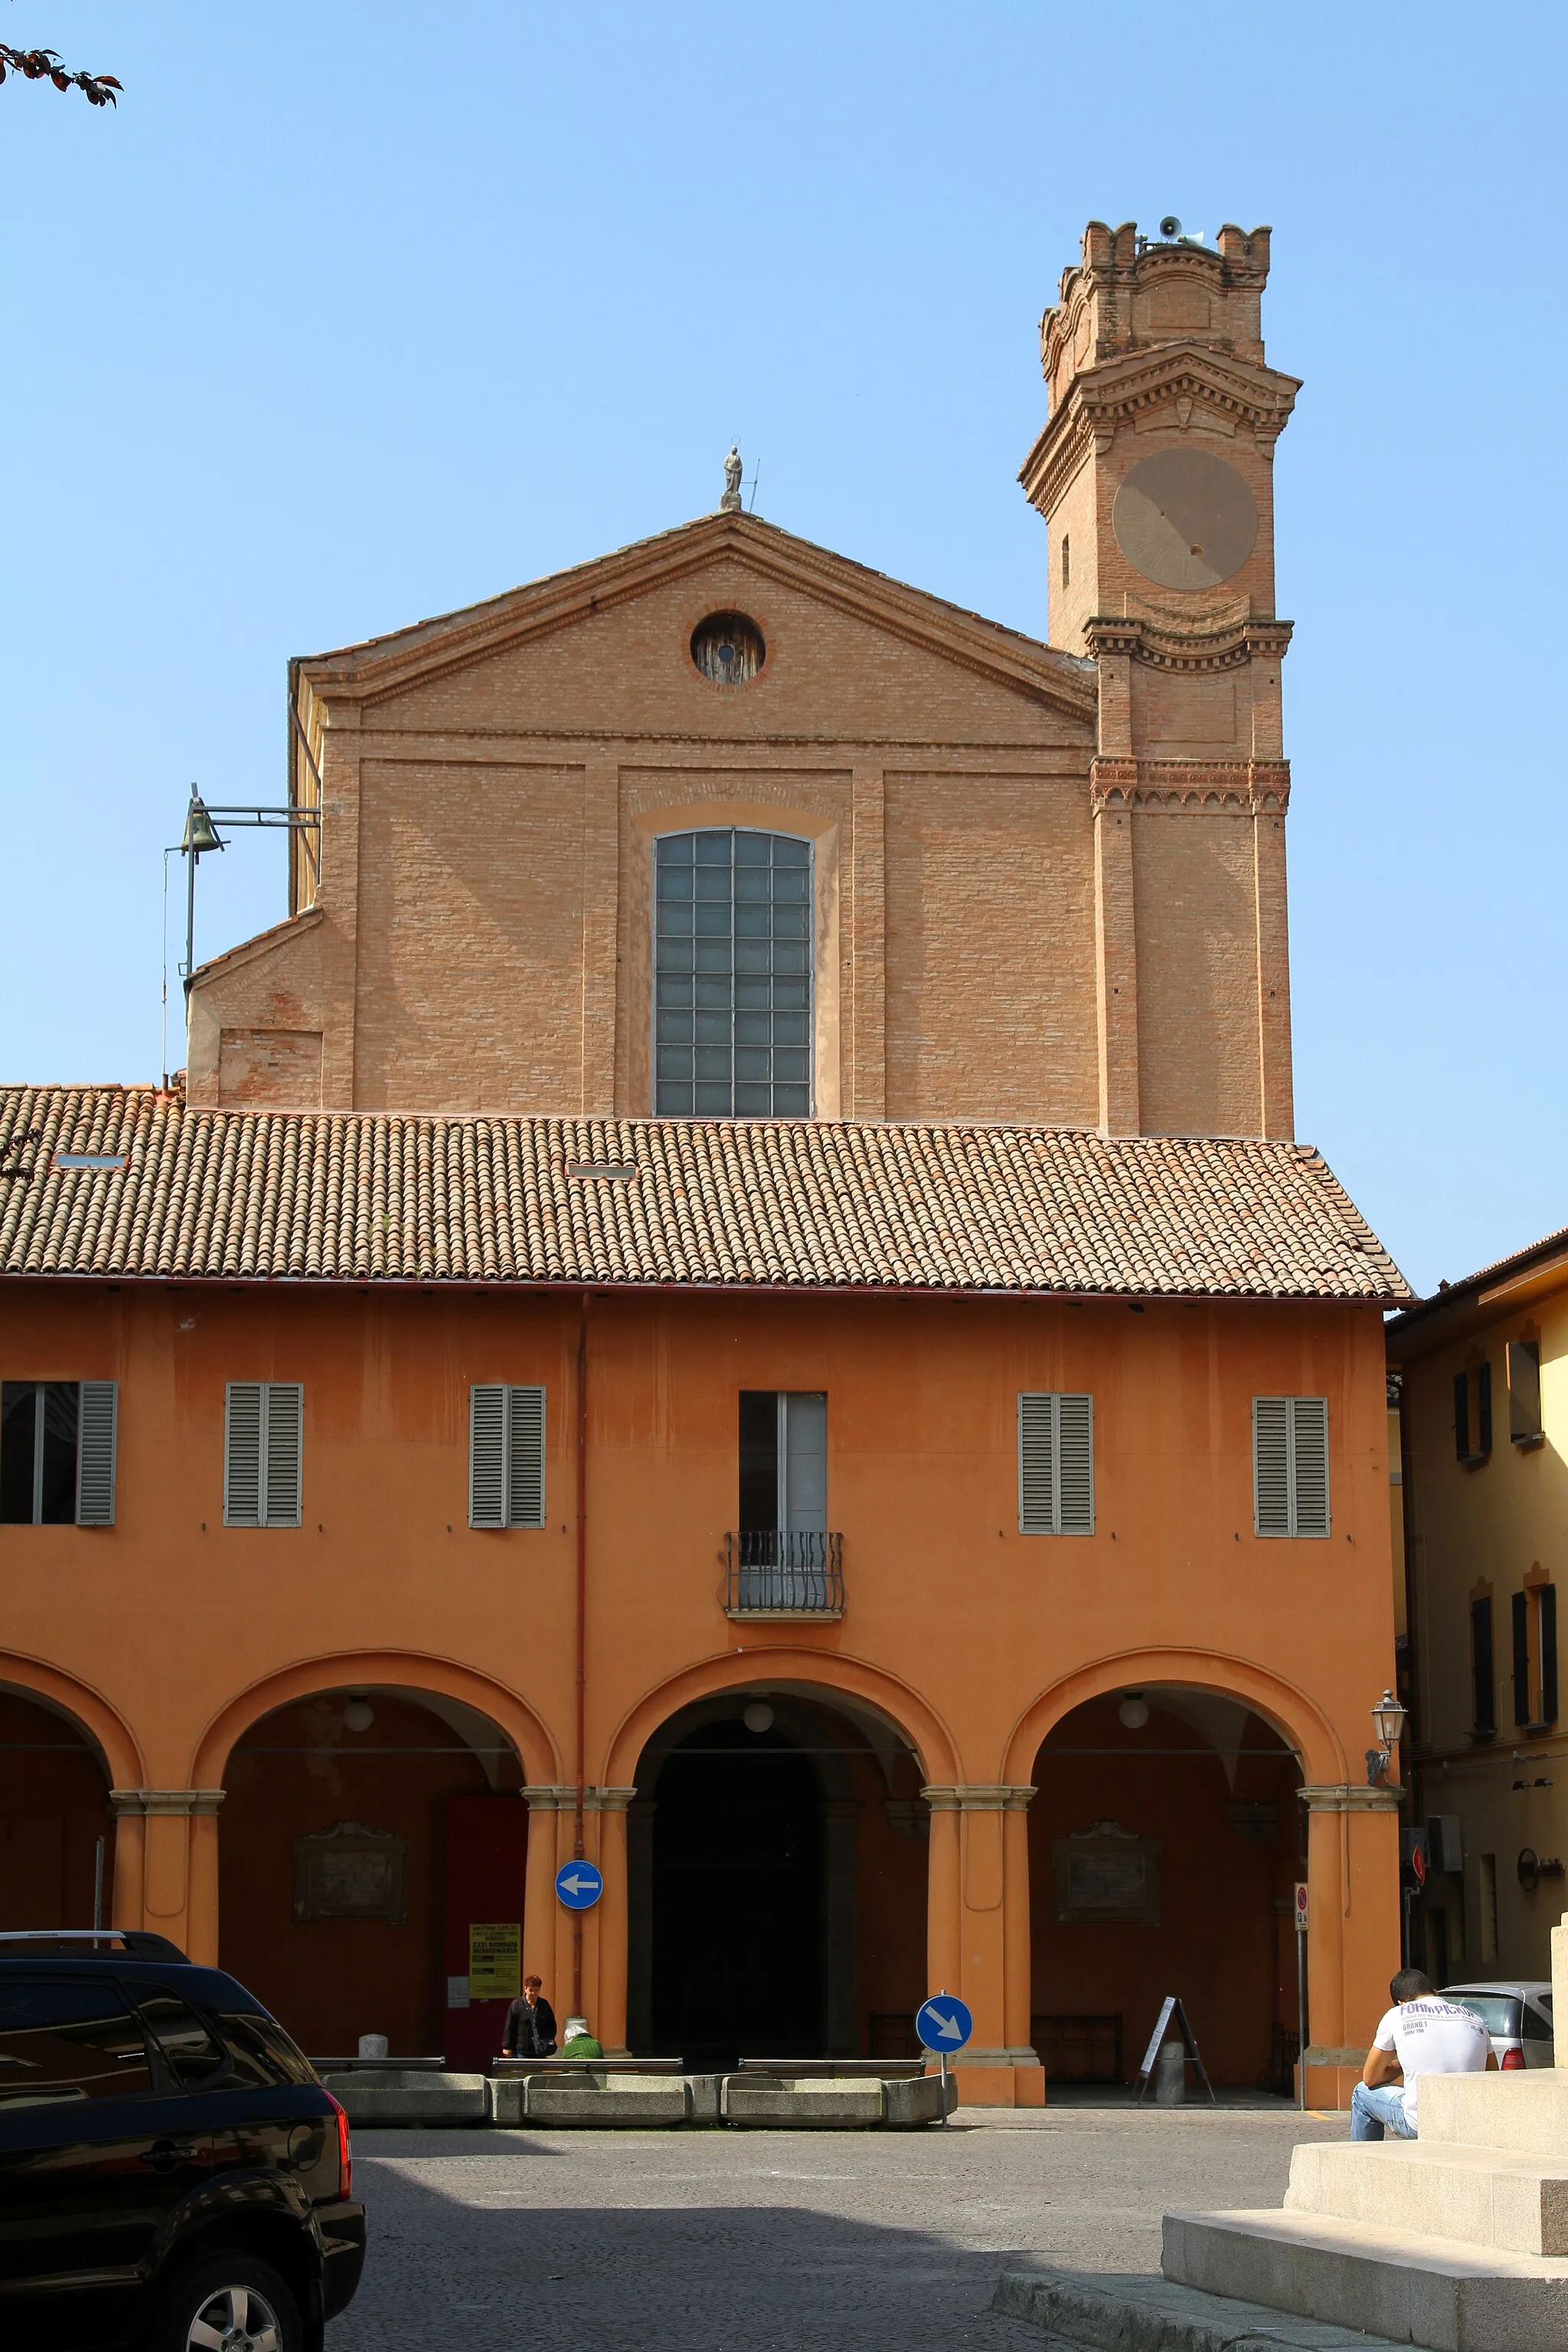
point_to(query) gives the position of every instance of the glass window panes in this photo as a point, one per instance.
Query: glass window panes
(732, 976)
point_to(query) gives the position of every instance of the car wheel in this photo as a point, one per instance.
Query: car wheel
(228, 2303)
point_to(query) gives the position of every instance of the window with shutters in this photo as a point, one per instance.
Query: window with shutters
(1482, 1671)
(1473, 1427)
(1534, 1622)
(58, 1443)
(1524, 1424)
(506, 1455)
(1290, 1465)
(1055, 1463)
(263, 1454)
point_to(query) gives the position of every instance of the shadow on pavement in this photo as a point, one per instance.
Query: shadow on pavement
(490, 2265)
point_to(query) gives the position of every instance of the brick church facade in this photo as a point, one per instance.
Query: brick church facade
(738, 1269)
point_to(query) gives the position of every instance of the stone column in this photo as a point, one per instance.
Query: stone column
(540, 1907)
(1353, 1933)
(127, 1904)
(993, 1927)
(177, 1900)
(606, 1809)
(1559, 1992)
(943, 1965)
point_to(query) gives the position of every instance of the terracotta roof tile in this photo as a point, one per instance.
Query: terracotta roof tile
(363, 1197)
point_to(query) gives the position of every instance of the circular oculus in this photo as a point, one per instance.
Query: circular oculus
(1184, 519)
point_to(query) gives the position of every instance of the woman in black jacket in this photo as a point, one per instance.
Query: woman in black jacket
(529, 2024)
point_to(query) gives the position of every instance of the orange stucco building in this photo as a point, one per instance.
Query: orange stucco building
(732, 1294)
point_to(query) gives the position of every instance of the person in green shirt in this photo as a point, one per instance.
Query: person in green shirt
(579, 2042)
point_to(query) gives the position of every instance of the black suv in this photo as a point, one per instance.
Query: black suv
(173, 2175)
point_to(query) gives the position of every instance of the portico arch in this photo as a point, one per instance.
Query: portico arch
(1300, 1722)
(410, 1670)
(1240, 1744)
(907, 1713)
(61, 1801)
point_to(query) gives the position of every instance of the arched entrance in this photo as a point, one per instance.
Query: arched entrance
(365, 1832)
(776, 1868)
(57, 1832)
(1164, 1840)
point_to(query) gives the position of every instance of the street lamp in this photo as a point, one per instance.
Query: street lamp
(1387, 1722)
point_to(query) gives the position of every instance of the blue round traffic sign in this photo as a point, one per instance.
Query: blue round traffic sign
(944, 2022)
(579, 1886)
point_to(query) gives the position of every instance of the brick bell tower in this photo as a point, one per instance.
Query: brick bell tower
(1155, 475)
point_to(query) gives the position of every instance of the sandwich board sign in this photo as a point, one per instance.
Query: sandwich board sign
(1171, 2023)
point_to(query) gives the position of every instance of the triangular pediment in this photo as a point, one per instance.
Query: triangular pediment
(729, 546)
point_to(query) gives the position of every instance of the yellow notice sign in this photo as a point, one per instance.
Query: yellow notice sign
(495, 1961)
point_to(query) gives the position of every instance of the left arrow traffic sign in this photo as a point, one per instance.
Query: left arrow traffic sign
(579, 1886)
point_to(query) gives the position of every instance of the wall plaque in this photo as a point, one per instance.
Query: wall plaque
(350, 1872)
(1107, 1873)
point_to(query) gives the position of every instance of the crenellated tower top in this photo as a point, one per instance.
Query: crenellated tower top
(1131, 293)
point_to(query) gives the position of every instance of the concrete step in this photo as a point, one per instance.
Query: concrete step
(1477, 2196)
(1399, 2283)
(1526, 2112)
(1116, 2312)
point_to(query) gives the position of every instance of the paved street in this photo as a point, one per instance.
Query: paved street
(765, 2241)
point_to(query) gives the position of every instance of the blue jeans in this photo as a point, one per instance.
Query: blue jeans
(1370, 2111)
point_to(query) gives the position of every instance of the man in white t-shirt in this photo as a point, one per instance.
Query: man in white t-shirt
(1421, 2035)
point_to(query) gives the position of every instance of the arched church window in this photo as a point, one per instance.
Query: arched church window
(732, 975)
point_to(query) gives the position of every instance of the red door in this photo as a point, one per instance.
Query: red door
(486, 1856)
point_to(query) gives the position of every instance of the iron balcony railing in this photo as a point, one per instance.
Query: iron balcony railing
(783, 1572)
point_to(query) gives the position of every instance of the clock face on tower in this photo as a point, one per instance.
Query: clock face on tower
(1187, 519)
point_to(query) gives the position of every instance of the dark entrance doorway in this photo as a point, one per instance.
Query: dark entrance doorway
(737, 1899)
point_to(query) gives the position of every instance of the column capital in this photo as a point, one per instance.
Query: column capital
(549, 1797)
(979, 1797)
(560, 1797)
(180, 1801)
(1347, 1797)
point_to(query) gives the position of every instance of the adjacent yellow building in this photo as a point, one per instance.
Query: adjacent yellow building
(1483, 1370)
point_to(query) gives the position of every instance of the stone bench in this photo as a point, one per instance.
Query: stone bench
(400, 2096)
(593, 2100)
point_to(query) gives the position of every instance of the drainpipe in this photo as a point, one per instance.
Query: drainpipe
(577, 1854)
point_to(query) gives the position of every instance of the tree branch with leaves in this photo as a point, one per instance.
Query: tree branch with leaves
(44, 65)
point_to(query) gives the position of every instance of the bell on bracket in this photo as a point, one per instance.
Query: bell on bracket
(199, 835)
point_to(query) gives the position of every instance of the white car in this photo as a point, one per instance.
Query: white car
(1518, 2016)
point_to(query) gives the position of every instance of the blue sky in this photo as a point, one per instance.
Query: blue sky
(354, 314)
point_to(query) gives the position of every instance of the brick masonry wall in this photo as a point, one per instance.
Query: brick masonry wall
(990, 949)
(1197, 973)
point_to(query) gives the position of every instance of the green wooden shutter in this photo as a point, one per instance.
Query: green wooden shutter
(487, 1455)
(1036, 1465)
(1075, 1466)
(242, 1455)
(97, 1435)
(1548, 1625)
(1521, 1657)
(1271, 1465)
(1482, 1665)
(283, 1435)
(1461, 1417)
(1484, 1410)
(525, 1458)
(1308, 1466)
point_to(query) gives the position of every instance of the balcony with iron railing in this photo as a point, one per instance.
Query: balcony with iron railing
(783, 1572)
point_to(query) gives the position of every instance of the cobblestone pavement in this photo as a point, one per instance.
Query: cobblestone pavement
(768, 2241)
